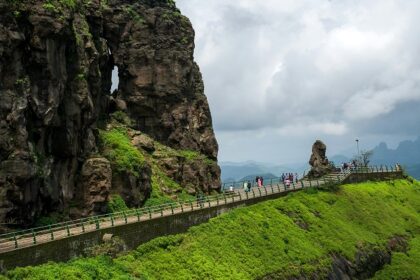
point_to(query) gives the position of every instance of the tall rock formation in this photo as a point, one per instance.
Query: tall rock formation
(58, 144)
(320, 165)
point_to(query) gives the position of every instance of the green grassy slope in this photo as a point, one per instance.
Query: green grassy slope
(403, 265)
(291, 235)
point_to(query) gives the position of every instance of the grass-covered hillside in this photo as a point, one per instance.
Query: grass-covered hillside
(293, 235)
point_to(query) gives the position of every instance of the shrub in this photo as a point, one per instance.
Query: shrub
(116, 204)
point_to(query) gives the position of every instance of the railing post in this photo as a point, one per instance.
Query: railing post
(191, 204)
(240, 197)
(253, 192)
(317, 183)
(265, 189)
(272, 189)
(97, 223)
(138, 215)
(224, 196)
(68, 230)
(172, 209)
(182, 207)
(125, 217)
(83, 227)
(112, 219)
(259, 190)
(14, 238)
(246, 193)
(271, 183)
(51, 232)
(293, 185)
(34, 237)
(150, 213)
(303, 185)
(217, 199)
(310, 183)
(208, 200)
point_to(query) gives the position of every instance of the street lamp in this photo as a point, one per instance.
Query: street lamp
(357, 144)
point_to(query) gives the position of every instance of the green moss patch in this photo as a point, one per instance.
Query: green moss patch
(262, 239)
(117, 148)
(116, 204)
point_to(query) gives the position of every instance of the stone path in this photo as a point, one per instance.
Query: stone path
(29, 238)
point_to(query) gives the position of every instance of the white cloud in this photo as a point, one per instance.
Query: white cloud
(335, 68)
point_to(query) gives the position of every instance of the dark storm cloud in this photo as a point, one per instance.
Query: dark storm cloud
(326, 69)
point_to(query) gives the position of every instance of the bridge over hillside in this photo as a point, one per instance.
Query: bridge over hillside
(63, 241)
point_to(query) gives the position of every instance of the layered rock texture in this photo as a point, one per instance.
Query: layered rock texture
(60, 148)
(320, 165)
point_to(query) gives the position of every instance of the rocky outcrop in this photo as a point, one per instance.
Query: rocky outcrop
(320, 165)
(56, 60)
(95, 179)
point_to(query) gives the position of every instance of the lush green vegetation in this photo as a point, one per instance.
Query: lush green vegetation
(116, 204)
(117, 148)
(289, 236)
(403, 266)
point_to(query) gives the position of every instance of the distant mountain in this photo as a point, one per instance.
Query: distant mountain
(407, 153)
(236, 171)
(414, 170)
(266, 176)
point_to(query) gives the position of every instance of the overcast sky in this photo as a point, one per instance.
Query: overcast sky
(280, 74)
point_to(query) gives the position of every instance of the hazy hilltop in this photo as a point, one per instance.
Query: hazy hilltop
(407, 153)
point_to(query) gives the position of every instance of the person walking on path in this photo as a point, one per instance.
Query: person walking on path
(259, 182)
(249, 185)
(287, 183)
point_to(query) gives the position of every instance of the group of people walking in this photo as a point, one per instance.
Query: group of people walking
(286, 178)
(289, 178)
(348, 165)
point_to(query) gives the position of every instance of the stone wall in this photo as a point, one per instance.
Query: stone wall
(375, 176)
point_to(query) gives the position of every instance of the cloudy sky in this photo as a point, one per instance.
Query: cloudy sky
(280, 74)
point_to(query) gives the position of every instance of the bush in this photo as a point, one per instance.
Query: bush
(116, 204)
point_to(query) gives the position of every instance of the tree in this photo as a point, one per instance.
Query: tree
(364, 158)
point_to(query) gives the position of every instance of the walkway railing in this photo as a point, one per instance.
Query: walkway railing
(33, 236)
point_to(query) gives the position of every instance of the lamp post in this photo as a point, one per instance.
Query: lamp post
(357, 144)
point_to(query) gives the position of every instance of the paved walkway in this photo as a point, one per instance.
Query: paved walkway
(32, 238)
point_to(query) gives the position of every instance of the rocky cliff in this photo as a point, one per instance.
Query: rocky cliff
(66, 142)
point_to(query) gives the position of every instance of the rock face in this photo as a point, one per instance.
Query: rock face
(56, 60)
(319, 161)
(95, 179)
